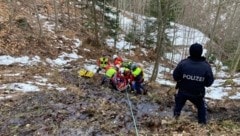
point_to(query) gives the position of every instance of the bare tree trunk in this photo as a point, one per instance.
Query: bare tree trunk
(229, 31)
(160, 37)
(38, 20)
(12, 13)
(145, 31)
(103, 15)
(117, 18)
(175, 36)
(134, 21)
(61, 10)
(212, 33)
(68, 10)
(75, 12)
(56, 15)
(96, 31)
(236, 60)
(172, 43)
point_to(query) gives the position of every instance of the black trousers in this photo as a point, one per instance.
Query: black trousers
(198, 101)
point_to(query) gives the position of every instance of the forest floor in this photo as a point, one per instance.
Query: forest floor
(85, 108)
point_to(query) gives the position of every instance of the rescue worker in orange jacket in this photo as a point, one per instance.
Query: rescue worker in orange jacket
(117, 61)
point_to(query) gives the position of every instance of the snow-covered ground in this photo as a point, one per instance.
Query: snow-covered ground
(183, 36)
(217, 91)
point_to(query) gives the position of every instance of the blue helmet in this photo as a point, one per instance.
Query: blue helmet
(133, 66)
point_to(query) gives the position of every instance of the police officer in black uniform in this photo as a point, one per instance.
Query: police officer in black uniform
(193, 74)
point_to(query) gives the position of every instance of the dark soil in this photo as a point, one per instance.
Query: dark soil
(89, 109)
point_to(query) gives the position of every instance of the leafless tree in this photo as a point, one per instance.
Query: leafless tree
(55, 4)
(96, 29)
(12, 13)
(160, 33)
(38, 19)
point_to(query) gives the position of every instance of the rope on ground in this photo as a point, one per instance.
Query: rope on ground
(130, 106)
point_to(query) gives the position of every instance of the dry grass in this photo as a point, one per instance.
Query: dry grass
(85, 108)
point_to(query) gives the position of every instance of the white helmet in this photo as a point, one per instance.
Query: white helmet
(118, 66)
(121, 70)
(115, 56)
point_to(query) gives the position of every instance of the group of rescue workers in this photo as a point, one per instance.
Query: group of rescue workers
(192, 75)
(121, 75)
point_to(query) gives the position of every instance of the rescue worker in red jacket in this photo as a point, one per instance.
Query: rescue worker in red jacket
(120, 81)
(127, 74)
(117, 61)
(128, 77)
